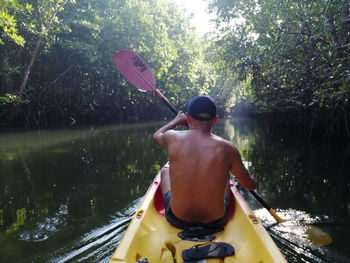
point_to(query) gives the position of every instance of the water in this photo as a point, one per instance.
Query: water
(68, 196)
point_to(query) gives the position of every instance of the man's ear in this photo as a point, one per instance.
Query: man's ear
(188, 118)
(214, 120)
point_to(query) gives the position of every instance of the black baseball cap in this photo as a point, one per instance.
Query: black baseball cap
(202, 108)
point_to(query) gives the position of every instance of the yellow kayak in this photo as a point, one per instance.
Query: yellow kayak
(150, 238)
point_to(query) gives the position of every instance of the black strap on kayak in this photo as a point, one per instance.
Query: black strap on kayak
(199, 234)
(207, 250)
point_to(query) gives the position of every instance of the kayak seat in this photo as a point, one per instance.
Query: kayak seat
(207, 250)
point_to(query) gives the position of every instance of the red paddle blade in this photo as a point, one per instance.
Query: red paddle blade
(135, 70)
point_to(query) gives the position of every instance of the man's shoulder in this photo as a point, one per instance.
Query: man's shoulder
(174, 134)
(221, 140)
(229, 146)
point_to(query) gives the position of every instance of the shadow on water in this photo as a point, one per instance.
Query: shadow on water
(68, 196)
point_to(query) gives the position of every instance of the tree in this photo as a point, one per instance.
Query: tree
(47, 11)
(73, 79)
(296, 52)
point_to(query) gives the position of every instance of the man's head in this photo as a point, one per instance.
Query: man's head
(202, 108)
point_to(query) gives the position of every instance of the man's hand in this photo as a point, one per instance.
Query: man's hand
(180, 120)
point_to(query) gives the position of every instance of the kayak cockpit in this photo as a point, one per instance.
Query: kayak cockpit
(150, 238)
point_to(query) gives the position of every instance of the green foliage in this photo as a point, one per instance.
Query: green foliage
(21, 217)
(297, 53)
(11, 99)
(73, 80)
(9, 28)
(1, 217)
(8, 23)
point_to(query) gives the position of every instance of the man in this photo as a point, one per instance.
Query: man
(195, 185)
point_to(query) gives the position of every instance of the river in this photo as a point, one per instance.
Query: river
(68, 195)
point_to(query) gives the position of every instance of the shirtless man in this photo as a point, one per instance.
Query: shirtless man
(195, 184)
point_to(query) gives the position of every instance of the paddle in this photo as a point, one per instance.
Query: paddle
(138, 73)
(315, 235)
(269, 208)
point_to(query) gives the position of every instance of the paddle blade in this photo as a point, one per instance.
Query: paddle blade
(317, 236)
(135, 70)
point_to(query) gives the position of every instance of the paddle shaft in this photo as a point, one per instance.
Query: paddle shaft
(171, 107)
(261, 201)
(165, 100)
(269, 208)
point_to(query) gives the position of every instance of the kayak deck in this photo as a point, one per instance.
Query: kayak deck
(149, 235)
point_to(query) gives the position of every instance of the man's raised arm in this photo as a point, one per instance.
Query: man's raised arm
(161, 137)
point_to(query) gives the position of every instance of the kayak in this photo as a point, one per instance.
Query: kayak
(150, 238)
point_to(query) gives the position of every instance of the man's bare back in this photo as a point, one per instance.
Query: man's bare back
(199, 168)
(199, 175)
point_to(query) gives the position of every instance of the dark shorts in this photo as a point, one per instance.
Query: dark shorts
(172, 219)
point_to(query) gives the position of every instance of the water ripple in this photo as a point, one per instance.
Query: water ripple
(293, 239)
(46, 228)
(99, 244)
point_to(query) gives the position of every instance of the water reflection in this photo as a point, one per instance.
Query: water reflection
(306, 175)
(55, 186)
(67, 196)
